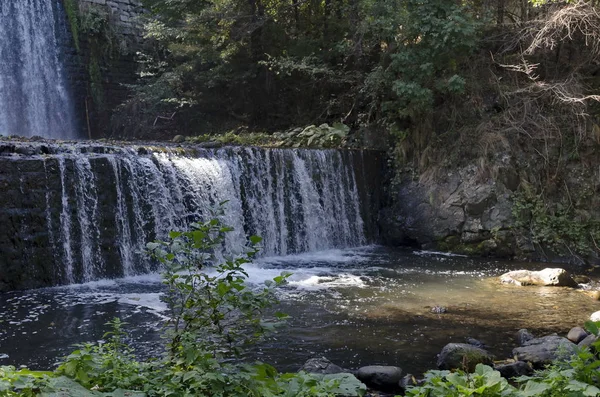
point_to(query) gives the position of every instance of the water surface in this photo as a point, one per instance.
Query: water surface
(360, 306)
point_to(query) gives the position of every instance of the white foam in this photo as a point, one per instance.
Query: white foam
(438, 253)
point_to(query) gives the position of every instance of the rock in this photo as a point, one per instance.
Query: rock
(475, 342)
(523, 336)
(511, 370)
(380, 377)
(461, 355)
(577, 334)
(408, 380)
(321, 365)
(588, 341)
(548, 277)
(595, 316)
(581, 279)
(178, 139)
(542, 351)
(439, 309)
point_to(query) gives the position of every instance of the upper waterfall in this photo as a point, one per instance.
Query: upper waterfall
(34, 95)
(77, 213)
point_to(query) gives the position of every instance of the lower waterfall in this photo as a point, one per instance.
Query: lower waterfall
(83, 216)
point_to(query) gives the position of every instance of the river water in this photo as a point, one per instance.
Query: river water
(361, 306)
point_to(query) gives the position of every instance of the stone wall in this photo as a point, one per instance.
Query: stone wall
(115, 69)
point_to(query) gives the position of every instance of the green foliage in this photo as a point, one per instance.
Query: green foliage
(485, 381)
(217, 312)
(323, 136)
(554, 226)
(22, 382)
(111, 364)
(72, 11)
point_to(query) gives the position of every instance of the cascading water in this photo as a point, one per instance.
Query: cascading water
(34, 98)
(80, 216)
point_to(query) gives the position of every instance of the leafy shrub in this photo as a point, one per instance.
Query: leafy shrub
(485, 381)
(22, 382)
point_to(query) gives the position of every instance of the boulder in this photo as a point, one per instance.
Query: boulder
(548, 277)
(463, 356)
(321, 365)
(542, 351)
(523, 335)
(512, 370)
(577, 334)
(178, 139)
(380, 377)
(595, 316)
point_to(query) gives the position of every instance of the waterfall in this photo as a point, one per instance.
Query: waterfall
(34, 98)
(78, 213)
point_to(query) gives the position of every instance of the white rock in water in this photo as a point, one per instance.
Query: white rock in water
(547, 277)
(595, 316)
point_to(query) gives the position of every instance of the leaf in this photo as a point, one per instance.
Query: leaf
(255, 239)
(174, 234)
(533, 388)
(592, 327)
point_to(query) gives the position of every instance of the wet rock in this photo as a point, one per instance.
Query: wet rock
(178, 139)
(321, 365)
(380, 377)
(581, 279)
(577, 334)
(595, 316)
(542, 351)
(517, 368)
(463, 356)
(548, 277)
(475, 342)
(523, 336)
(407, 381)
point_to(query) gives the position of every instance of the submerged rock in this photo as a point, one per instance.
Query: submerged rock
(321, 365)
(475, 342)
(548, 277)
(523, 335)
(380, 377)
(577, 334)
(463, 356)
(542, 351)
(439, 309)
